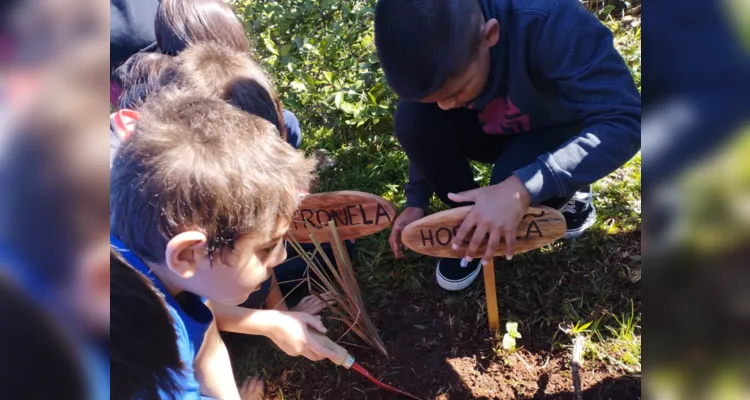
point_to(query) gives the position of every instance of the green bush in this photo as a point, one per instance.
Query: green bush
(322, 56)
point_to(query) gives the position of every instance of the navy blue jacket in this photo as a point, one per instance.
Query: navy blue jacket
(131, 29)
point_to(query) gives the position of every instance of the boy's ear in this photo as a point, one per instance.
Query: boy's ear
(490, 33)
(124, 122)
(184, 252)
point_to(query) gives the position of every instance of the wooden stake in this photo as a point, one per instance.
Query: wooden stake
(493, 315)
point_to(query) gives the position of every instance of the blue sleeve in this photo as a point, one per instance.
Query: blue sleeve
(575, 51)
(293, 131)
(185, 380)
(418, 191)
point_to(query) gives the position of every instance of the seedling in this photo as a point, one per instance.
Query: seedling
(511, 334)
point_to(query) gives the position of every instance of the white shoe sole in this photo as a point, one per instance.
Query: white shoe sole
(452, 285)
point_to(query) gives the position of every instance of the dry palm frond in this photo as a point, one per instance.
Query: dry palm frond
(337, 279)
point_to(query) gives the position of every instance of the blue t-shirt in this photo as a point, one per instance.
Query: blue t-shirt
(191, 321)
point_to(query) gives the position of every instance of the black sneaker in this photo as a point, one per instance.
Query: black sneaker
(579, 215)
(452, 276)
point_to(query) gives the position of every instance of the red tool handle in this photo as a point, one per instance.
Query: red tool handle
(344, 359)
(392, 389)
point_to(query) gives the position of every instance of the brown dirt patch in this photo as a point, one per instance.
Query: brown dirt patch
(434, 354)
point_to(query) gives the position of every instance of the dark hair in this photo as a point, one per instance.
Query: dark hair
(144, 358)
(34, 346)
(180, 23)
(195, 163)
(217, 71)
(422, 43)
(139, 77)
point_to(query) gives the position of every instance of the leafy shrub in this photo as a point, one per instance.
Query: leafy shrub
(322, 55)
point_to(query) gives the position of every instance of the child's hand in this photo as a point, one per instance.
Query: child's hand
(408, 216)
(498, 209)
(290, 332)
(313, 304)
(253, 389)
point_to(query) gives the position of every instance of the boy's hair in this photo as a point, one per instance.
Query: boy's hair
(139, 77)
(423, 43)
(200, 164)
(217, 71)
(180, 23)
(143, 343)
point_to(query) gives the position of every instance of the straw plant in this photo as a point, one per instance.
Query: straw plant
(336, 279)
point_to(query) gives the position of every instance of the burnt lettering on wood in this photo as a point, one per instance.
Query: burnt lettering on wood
(306, 216)
(444, 236)
(338, 219)
(447, 235)
(540, 215)
(425, 239)
(364, 216)
(351, 215)
(381, 211)
(536, 229)
(320, 220)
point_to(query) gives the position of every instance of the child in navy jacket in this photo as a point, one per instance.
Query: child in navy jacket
(534, 87)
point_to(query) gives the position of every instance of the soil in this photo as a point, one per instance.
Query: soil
(448, 357)
(439, 344)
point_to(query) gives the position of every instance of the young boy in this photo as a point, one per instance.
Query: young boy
(217, 71)
(536, 88)
(201, 196)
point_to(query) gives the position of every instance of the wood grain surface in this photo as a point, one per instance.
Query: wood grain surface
(356, 214)
(433, 235)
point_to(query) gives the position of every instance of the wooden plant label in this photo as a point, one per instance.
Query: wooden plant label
(356, 214)
(433, 235)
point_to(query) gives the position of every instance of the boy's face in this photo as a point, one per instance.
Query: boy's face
(466, 86)
(247, 266)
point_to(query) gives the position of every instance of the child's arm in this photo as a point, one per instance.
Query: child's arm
(289, 330)
(575, 50)
(418, 191)
(418, 194)
(310, 304)
(213, 369)
(572, 49)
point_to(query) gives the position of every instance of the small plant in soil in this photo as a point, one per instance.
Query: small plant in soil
(511, 334)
